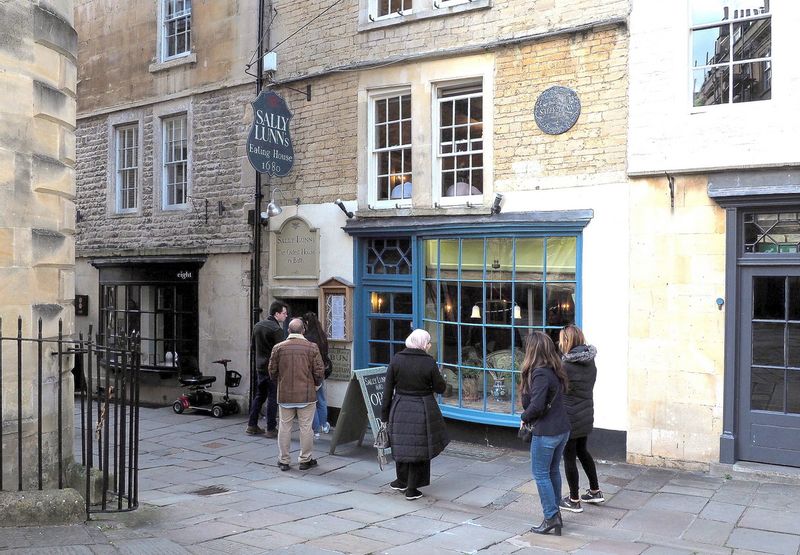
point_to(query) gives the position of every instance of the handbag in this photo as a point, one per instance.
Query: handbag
(525, 432)
(382, 444)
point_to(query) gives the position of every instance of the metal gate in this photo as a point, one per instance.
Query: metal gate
(106, 413)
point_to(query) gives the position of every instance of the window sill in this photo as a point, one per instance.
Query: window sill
(366, 25)
(125, 214)
(174, 62)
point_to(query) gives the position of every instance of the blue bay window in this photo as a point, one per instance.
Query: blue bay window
(479, 290)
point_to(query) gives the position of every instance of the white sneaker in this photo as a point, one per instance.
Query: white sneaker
(326, 428)
(316, 435)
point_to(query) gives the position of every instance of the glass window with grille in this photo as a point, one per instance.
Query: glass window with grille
(772, 232)
(731, 51)
(482, 297)
(176, 158)
(391, 148)
(164, 316)
(390, 8)
(459, 142)
(127, 162)
(390, 256)
(177, 30)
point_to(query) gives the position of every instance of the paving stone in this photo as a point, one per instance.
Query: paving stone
(708, 531)
(686, 490)
(260, 518)
(480, 496)
(611, 547)
(504, 522)
(651, 480)
(465, 537)
(202, 532)
(317, 526)
(676, 543)
(263, 538)
(774, 521)
(297, 486)
(767, 542)
(416, 525)
(418, 548)
(360, 515)
(660, 550)
(674, 502)
(565, 543)
(54, 550)
(389, 504)
(215, 547)
(391, 537)
(668, 523)
(723, 512)
(447, 514)
(350, 544)
(57, 536)
(303, 549)
(149, 546)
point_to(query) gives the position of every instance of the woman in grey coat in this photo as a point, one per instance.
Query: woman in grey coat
(578, 361)
(414, 421)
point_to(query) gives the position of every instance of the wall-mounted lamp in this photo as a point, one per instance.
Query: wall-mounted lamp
(496, 208)
(343, 208)
(273, 208)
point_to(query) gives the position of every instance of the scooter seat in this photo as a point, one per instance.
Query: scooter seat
(221, 361)
(197, 379)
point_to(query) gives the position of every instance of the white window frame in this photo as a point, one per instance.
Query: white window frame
(164, 37)
(373, 152)
(167, 138)
(375, 4)
(731, 22)
(437, 157)
(124, 165)
(115, 121)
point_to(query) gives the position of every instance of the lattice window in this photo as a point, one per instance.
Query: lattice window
(391, 147)
(176, 158)
(460, 140)
(391, 7)
(389, 256)
(127, 167)
(177, 28)
(772, 233)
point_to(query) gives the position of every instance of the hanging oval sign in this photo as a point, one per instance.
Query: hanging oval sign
(557, 110)
(269, 145)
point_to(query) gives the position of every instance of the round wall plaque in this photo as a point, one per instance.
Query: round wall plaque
(556, 110)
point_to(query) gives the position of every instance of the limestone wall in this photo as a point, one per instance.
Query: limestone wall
(677, 265)
(38, 52)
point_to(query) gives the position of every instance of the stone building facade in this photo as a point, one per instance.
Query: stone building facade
(37, 227)
(715, 191)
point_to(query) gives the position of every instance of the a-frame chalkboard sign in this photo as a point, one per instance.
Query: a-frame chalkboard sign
(361, 405)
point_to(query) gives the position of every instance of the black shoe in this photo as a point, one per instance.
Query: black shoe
(397, 485)
(590, 497)
(553, 523)
(254, 431)
(310, 463)
(412, 494)
(272, 434)
(569, 505)
(284, 466)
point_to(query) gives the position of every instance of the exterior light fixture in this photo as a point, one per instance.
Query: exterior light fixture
(476, 312)
(273, 208)
(496, 208)
(344, 209)
(517, 312)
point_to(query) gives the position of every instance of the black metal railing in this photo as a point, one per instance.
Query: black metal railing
(107, 394)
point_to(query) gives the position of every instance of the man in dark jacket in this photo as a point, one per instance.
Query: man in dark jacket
(296, 366)
(266, 334)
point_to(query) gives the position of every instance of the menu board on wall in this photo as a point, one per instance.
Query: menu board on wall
(336, 315)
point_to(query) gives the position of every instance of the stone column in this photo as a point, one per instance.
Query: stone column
(38, 47)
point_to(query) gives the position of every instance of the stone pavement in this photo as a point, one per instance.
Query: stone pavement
(207, 488)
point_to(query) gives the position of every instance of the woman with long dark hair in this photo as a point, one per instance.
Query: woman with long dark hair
(316, 335)
(543, 384)
(578, 360)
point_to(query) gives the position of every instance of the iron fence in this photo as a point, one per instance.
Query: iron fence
(106, 411)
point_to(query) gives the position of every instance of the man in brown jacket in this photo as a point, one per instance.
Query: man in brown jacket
(296, 366)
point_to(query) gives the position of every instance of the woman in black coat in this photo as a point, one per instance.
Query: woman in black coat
(578, 361)
(414, 421)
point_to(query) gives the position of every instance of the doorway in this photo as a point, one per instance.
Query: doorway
(299, 306)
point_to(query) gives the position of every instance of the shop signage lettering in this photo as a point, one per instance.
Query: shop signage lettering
(341, 363)
(557, 109)
(184, 274)
(269, 144)
(296, 250)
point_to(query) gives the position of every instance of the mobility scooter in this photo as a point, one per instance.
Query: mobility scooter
(198, 398)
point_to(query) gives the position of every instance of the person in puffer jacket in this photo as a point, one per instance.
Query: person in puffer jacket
(416, 428)
(578, 361)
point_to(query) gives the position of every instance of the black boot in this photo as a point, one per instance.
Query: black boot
(553, 523)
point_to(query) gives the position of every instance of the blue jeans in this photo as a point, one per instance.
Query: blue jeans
(321, 414)
(546, 453)
(266, 390)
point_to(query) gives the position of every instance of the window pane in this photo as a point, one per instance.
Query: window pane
(472, 259)
(768, 344)
(379, 353)
(710, 46)
(793, 391)
(769, 298)
(561, 258)
(752, 39)
(793, 345)
(751, 82)
(379, 328)
(560, 304)
(401, 329)
(711, 86)
(449, 302)
(402, 303)
(766, 389)
(707, 11)
(794, 298)
(530, 299)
